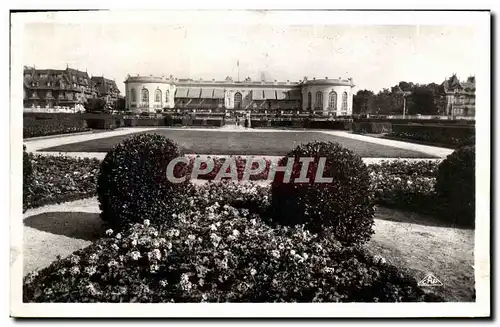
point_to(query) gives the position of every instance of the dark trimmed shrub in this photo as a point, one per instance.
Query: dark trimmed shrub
(133, 184)
(44, 124)
(101, 123)
(455, 186)
(343, 206)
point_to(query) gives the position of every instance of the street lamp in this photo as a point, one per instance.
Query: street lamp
(405, 94)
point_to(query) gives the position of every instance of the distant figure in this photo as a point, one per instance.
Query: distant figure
(237, 121)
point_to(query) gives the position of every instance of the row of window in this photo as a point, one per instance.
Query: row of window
(238, 99)
(332, 100)
(145, 96)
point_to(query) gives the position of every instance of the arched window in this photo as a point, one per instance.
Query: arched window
(319, 100)
(344, 101)
(133, 96)
(158, 95)
(237, 100)
(145, 96)
(332, 100)
(167, 94)
(309, 100)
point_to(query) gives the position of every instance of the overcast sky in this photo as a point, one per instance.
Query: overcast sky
(375, 57)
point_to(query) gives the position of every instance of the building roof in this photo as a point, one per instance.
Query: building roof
(453, 83)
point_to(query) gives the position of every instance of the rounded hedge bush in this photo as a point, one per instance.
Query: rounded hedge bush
(344, 206)
(132, 183)
(455, 186)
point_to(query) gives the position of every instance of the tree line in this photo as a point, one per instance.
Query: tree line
(425, 99)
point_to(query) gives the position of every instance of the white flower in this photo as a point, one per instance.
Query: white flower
(305, 256)
(253, 271)
(236, 232)
(155, 254)
(93, 258)
(329, 270)
(112, 263)
(90, 270)
(292, 252)
(379, 259)
(155, 244)
(275, 253)
(154, 268)
(191, 237)
(109, 232)
(146, 222)
(134, 242)
(91, 289)
(118, 236)
(163, 283)
(212, 227)
(115, 247)
(253, 222)
(74, 259)
(169, 245)
(74, 271)
(135, 255)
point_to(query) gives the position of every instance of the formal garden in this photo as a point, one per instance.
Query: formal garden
(253, 241)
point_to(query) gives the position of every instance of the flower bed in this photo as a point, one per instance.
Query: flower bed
(58, 179)
(405, 184)
(215, 252)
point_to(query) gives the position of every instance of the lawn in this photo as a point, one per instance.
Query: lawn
(248, 143)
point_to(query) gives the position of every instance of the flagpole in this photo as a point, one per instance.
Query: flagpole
(238, 64)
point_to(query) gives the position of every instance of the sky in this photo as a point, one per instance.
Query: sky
(374, 56)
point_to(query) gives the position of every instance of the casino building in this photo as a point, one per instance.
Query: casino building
(332, 97)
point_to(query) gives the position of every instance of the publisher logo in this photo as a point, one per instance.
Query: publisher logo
(430, 280)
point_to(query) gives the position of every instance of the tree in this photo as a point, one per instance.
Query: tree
(120, 104)
(422, 101)
(362, 102)
(96, 105)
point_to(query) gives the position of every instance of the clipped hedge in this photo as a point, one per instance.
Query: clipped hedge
(133, 184)
(445, 135)
(343, 206)
(455, 185)
(373, 127)
(217, 253)
(44, 124)
(101, 123)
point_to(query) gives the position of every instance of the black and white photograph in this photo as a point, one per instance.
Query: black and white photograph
(202, 161)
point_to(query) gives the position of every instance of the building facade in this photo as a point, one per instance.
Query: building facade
(460, 96)
(326, 96)
(49, 88)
